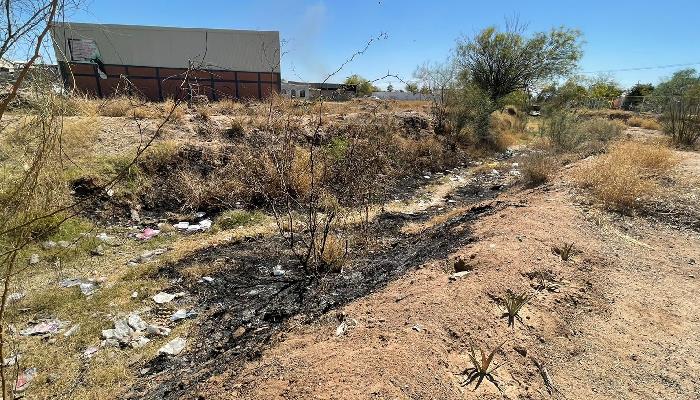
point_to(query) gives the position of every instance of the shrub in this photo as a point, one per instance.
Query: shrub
(623, 177)
(538, 168)
(562, 130)
(646, 123)
(681, 120)
(602, 129)
(234, 218)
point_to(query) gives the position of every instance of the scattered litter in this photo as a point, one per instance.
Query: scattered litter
(458, 275)
(162, 297)
(146, 256)
(207, 279)
(418, 328)
(200, 214)
(48, 245)
(147, 234)
(181, 225)
(205, 224)
(345, 326)
(15, 297)
(157, 330)
(87, 288)
(131, 331)
(69, 282)
(90, 351)
(277, 270)
(12, 360)
(135, 295)
(174, 347)
(24, 378)
(182, 314)
(102, 237)
(515, 173)
(34, 259)
(136, 322)
(42, 328)
(72, 331)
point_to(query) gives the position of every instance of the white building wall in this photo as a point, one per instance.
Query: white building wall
(238, 50)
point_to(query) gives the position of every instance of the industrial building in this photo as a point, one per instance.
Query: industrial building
(161, 62)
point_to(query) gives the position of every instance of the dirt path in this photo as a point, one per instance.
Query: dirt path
(621, 320)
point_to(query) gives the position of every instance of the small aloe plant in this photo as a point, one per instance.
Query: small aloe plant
(565, 251)
(512, 305)
(481, 367)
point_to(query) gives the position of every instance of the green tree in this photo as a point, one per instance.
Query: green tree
(604, 89)
(685, 83)
(501, 62)
(636, 95)
(364, 86)
(412, 88)
(390, 88)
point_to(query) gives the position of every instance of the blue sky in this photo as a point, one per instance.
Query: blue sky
(320, 35)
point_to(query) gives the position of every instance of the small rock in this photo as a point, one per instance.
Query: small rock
(72, 331)
(42, 328)
(34, 259)
(181, 314)
(418, 328)
(98, 251)
(90, 351)
(63, 244)
(174, 347)
(15, 297)
(162, 298)
(240, 331)
(155, 330)
(458, 275)
(136, 322)
(48, 245)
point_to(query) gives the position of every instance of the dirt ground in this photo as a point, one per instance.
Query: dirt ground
(619, 320)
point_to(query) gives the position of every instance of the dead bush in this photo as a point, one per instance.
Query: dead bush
(602, 130)
(624, 177)
(538, 169)
(644, 122)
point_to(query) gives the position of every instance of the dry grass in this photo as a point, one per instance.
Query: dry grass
(538, 168)
(625, 176)
(644, 122)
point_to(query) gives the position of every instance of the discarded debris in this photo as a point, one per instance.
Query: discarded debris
(87, 288)
(146, 256)
(90, 351)
(174, 347)
(34, 259)
(132, 331)
(48, 245)
(207, 279)
(458, 275)
(72, 331)
(43, 328)
(162, 297)
(24, 378)
(15, 297)
(147, 233)
(103, 237)
(277, 270)
(418, 328)
(182, 314)
(345, 325)
(12, 360)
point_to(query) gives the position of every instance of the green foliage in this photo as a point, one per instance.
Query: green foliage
(364, 86)
(234, 218)
(412, 88)
(636, 95)
(337, 147)
(684, 83)
(512, 305)
(501, 62)
(604, 89)
(481, 367)
(571, 94)
(390, 88)
(562, 129)
(471, 109)
(518, 98)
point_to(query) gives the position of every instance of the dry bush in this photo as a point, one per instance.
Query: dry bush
(225, 107)
(538, 168)
(644, 122)
(625, 176)
(334, 252)
(506, 127)
(603, 130)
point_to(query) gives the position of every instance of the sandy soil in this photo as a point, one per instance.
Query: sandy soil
(619, 323)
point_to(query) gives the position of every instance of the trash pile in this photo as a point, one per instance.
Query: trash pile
(132, 331)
